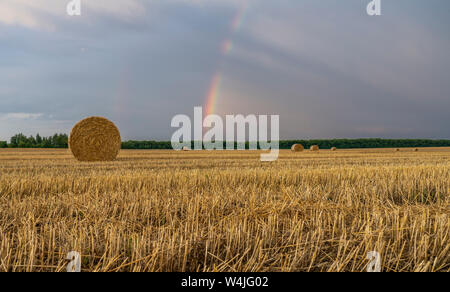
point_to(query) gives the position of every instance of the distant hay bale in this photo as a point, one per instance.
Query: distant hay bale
(398, 150)
(416, 150)
(185, 148)
(95, 139)
(333, 149)
(297, 148)
(314, 148)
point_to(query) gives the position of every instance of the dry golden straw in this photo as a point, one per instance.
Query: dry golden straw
(166, 211)
(95, 139)
(314, 148)
(297, 148)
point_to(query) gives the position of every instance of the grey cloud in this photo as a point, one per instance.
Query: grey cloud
(328, 69)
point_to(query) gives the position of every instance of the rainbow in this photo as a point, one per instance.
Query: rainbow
(226, 49)
(213, 94)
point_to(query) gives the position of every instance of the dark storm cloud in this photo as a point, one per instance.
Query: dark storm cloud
(326, 67)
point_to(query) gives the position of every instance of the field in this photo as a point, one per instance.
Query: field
(226, 211)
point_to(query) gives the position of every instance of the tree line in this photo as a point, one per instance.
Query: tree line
(61, 141)
(323, 144)
(22, 141)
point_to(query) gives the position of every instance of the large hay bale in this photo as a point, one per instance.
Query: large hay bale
(333, 149)
(185, 148)
(297, 148)
(314, 148)
(95, 139)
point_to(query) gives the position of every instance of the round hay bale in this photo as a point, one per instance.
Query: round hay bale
(185, 148)
(398, 150)
(333, 149)
(416, 150)
(95, 139)
(297, 148)
(314, 148)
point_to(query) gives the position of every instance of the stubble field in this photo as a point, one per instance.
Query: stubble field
(226, 211)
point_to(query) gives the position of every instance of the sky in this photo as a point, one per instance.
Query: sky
(326, 68)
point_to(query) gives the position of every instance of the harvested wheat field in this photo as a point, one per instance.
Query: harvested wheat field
(226, 211)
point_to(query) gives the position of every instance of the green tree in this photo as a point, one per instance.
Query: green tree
(38, 140)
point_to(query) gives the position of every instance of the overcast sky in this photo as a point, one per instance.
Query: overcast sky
(326, 67)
